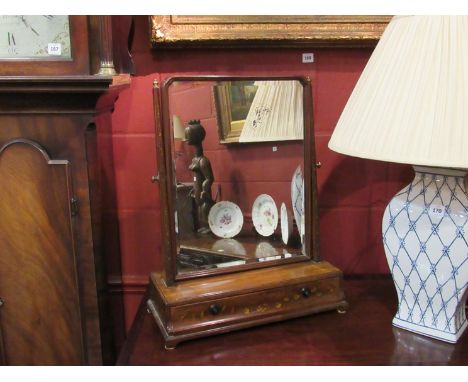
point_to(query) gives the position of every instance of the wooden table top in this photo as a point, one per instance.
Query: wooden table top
(362, 336)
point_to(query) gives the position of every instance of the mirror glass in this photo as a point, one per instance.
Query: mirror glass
(238, 160)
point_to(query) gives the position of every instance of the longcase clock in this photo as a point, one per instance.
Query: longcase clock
(52, 289)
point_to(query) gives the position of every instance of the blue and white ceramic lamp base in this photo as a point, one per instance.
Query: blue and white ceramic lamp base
(425, 232)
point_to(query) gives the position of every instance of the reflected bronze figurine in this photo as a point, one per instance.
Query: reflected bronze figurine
(203, 176)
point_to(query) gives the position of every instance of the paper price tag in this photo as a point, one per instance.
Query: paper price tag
(54, 49)
(436, 210)
(307, 58)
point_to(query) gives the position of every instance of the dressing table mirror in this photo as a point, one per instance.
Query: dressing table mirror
(237, 178)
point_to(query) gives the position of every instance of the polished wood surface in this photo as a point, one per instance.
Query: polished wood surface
(362, 336)
(244, 282)
(52, 271)
(38, 253)
(223, 303)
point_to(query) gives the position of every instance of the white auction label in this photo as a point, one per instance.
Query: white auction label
(437, 210)
(54, 49)
(307, 58)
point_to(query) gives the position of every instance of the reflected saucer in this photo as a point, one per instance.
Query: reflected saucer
(230, 246)
(225, 219)
(265, 215)
(265, 250)
(286, 224)
(297, 195)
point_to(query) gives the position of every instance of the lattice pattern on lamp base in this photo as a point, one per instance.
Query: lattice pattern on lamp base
(425, 239)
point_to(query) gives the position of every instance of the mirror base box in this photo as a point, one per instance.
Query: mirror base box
(195, 308)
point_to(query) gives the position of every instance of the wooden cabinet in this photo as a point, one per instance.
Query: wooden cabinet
(52, 279)
(53, 301)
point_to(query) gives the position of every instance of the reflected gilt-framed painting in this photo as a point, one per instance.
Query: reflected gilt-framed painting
(284, 31)
(232, 105)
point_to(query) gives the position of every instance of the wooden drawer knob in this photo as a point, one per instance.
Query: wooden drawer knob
(305, 292)
(214, 309)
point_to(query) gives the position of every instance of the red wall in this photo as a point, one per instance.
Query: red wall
(352, 192)
(241, 172)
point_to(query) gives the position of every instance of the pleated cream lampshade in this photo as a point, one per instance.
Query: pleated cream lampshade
(179, 130)
(276, 113)
(410, 104)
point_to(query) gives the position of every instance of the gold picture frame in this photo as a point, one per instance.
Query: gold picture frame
(283, 31)
(229, 128)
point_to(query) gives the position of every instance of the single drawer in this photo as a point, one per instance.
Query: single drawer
(250, 306)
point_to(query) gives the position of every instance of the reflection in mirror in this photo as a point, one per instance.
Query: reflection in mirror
(239, 205)
(259, 111)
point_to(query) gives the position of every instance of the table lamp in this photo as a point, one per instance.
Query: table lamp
(410, 105)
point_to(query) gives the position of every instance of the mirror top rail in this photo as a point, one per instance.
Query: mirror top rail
(304, 80)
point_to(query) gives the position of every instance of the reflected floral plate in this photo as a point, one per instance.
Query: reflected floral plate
(265, 215)
(286, 224)
(225, 219)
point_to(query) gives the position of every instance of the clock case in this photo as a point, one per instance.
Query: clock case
(207, 304)
(92, 38)
(48, 114)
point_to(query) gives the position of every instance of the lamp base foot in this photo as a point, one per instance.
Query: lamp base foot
(430, 332)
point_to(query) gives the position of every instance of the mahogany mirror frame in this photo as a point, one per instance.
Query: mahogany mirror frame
(168, 185)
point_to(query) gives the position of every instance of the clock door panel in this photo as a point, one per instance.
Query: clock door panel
(40, 320)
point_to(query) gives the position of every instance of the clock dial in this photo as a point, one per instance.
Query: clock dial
(41, 37)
